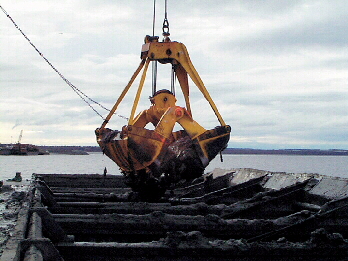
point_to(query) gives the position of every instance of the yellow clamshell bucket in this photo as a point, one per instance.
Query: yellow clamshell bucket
(152, 160)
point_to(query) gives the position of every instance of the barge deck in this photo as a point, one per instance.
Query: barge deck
(239, 214)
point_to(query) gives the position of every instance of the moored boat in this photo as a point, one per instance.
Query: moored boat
(21, 149)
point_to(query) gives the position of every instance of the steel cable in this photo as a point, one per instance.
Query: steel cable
(81, 94)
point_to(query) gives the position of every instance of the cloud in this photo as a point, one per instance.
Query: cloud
(277, 71)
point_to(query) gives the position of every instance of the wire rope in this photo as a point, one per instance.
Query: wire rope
(81, 94)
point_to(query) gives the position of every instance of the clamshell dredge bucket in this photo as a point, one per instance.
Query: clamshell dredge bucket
(153, 159)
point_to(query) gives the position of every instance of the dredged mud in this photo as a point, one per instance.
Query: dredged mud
(11, 199)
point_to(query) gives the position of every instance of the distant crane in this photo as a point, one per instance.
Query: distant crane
(20, 137)
(18, 148)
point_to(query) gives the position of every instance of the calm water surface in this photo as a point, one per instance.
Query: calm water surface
(96, 162)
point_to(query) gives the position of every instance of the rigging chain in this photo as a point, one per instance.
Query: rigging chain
(82, 95)
(166, 34)
(165, 26)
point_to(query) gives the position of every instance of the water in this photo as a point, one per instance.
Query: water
(96, 162)
(56, 163)
(336, 166)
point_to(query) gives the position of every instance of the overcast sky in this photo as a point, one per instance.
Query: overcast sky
(277, 70)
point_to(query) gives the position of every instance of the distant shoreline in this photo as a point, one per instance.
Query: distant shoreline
(85, 150)
(314, 152)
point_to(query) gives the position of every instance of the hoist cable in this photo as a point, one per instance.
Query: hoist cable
(165, 9)
(154, 63)
(154, 18)
(82, 95)
(154, 77)
(172, 82)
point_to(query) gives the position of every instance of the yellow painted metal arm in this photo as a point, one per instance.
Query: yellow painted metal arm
(181, 74)
(137, 97)
(178, 114)
(185, 61)
(192, 127)
(166, 52)
(124, 92)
